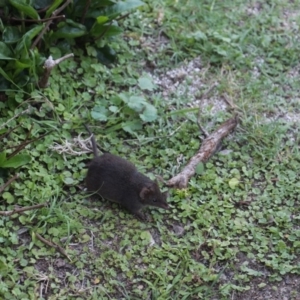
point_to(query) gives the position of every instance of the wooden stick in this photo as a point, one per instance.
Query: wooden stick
(2, 188)
(53, 245)
(22, 209)
(15, 116)
(23, 145)
(49, 64)
(36, 21)
(207, 149)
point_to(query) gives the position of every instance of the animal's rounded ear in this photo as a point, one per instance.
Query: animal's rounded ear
(144, 192)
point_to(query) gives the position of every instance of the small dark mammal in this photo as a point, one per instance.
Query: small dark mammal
(118, 180)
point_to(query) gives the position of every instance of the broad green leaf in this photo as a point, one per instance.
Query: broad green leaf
(25, 8)
(100, 3)
(3, 83)
(99, 113)
(75, 24)
(69, 32)
(137, 103)
(16, 161)
(149, 114)
(68, 181)
(198, 36)
(23, 262)
(53, 7)
(106, 55)
(40, 4)
(54, 231)
(22, 65)
(105, 30)
(11, 34)
(5, 52)
(4, 74)
(233, 182)
(3, 267)
(2, 158)
(146, 83)
(113, 108)
(8, 197)
(25, 42)
(102, 19)
(199, 168)
(132, 126)
(121, 7)
(116, 9)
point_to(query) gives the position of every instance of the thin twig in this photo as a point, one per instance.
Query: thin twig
(208, 147)
(122, 17)
(16, 116)
(204, 95)
(55, 13)
(19, 147)
(87, 5)
(53, 245)
(2, 188)
(49, 64)
(22, 146)
(37, 21)
(22, 209)
(7, 134)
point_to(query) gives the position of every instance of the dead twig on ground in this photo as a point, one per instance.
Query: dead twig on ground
(19, 210)
(6, 184)
(207, 149)
(209, 146)
(53, 245)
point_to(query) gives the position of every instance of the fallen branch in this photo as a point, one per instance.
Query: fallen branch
(53, 245)
(6, 184)
(23, 145)
(36, 21)
(26, 111)
(19, 210)
(49, 64)
(209, 146)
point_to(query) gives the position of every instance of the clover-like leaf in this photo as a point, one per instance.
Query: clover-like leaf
(233, 183)
(99, 113)
(145, 83)
(149, 114)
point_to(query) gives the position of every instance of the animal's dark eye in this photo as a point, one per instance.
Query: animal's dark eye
(154, 200)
